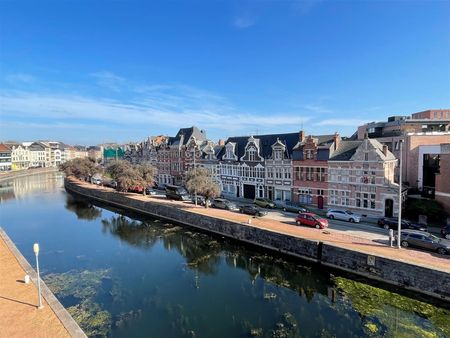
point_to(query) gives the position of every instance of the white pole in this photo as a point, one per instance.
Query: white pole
(195, 188)
(36, 252)
(399, 230)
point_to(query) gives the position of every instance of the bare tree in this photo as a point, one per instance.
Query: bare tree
(129, 176)
(147, 173)
(82, 168)
(199, 180)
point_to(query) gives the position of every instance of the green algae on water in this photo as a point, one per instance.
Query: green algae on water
(387, 314)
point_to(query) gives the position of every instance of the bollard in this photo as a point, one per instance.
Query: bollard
(249, 221)
(391, 237)
(26, 280)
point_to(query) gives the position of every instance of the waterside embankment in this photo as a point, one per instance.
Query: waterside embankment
(356, 256)
(5, 176)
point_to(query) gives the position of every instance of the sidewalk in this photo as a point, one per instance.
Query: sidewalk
(19, 316)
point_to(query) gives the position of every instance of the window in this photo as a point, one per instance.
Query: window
(321, 174)
(320, 192)
(309, 154)
(287, 173)
(366, 156)
(309, 174)
(251, 154)
(297, 173)
(278, 155)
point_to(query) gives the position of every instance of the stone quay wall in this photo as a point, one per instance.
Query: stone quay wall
(413, 277)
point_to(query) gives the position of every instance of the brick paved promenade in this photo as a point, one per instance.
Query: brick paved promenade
(19, 316)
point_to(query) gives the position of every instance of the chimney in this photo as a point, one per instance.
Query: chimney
(221, 142)
(301, 136)
(385, 149)
(336, 140)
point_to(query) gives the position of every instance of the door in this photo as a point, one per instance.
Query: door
(249, 191)
(320, 202)
(388, 207)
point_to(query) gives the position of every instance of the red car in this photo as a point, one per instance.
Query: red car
(137, 189)
(308, 218)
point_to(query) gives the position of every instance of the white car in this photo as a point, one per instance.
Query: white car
(343, 215)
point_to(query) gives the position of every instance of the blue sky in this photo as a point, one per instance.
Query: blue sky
(86, 72)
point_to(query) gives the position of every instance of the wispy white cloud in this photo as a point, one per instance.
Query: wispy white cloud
(20, 78)
(304, 6)
(242, 22)
(341, 122)
(182, 106)
(109, 80)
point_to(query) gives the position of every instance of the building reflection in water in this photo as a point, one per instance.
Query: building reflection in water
(21, 187)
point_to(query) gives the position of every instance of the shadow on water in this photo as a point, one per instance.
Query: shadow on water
(82, 208)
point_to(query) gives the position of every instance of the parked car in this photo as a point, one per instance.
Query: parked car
(111, 184)
(201, 200)
(292, 207)
(445, 232)
(175, 192)
(96, 180)
(137, 189)
(313, 220)
(264, 203)
(222, 203)
(252, 210)
(343, 215)
(424, 240)
(150, 191)
(392, 223)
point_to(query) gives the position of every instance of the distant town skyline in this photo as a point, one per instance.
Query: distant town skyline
(91, 73)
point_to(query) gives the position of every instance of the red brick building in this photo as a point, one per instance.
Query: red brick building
(310, 168)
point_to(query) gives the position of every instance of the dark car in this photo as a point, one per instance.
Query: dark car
(252, 210)
(222, 203)
(445, 232)
(111, 184)
(293, 207)
(392, 223)
(201, 200)
(424, 240)
(264, 203)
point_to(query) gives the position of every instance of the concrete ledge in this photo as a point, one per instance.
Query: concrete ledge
(421, 279)
(25, 172)
(66, 319)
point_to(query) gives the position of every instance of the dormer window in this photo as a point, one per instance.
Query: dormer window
(278, 154)
(251, 154)
(229, 153)
(309, 154)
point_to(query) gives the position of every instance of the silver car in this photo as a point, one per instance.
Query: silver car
(221, 203)
(424, 240)
(343, 215)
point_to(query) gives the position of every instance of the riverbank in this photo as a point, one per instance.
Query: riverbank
(5, 176)
(18, 301)
(421, 272)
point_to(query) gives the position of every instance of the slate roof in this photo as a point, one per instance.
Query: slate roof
(37, 147)
(345, 150)
(200, 135)
(322, 141)
(265, 143)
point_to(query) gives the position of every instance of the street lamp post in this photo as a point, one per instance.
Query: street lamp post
(36, 252)
(399, 230)
(195, 187)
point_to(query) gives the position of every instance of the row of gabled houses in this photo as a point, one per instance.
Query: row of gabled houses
(25, 155)
(319, 170)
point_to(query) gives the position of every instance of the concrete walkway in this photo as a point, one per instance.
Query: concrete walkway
(19, 316)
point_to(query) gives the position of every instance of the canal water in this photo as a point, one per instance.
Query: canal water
(120, 275)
